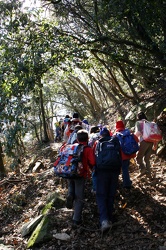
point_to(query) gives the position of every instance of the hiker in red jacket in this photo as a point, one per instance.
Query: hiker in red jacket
(76, 186)
(120, 127)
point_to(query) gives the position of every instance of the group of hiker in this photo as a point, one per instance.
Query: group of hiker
(102, 156)
(65, 126)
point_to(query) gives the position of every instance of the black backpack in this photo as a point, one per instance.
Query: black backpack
(108, 155)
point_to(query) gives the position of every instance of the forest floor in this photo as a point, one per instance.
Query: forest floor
(141, 214)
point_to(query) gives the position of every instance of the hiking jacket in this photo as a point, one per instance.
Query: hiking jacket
(88, 160)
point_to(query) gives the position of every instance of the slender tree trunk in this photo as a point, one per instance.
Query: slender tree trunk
(126, 95)
(35, 129)
(136, 97)
(2, 167)
(110, 95)
(46, 139)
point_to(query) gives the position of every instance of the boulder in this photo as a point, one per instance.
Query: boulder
(28, 227)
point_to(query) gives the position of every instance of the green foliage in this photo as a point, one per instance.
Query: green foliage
(26, 54)
(87, 55)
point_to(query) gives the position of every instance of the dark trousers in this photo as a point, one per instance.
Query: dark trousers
(76, 189)
(106, 188)
(125, 173)
(94, 179)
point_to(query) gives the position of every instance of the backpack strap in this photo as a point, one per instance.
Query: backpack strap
(62, 147)
(119, 133)
(70, 156)
(57, 161)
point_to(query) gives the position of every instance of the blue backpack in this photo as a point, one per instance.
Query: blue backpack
(127, 142)
(69, 162)
(108, 156)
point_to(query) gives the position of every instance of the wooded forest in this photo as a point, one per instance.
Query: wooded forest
(97, 58)
(105, 59)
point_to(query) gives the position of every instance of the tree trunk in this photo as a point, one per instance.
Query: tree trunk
(111, 96)
(136, 97)
(46, 139)
(2, 167)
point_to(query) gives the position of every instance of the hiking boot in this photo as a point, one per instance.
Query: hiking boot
(105, 226)
(127, 191)
(76, 224)
(69, 202)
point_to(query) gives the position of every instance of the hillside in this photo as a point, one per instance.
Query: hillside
(141, 214)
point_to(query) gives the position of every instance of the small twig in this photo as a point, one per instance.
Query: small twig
(9, 181)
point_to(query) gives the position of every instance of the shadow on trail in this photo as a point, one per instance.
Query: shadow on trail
(144, 216)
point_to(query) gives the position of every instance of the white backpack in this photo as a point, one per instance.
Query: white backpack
(151, 132)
